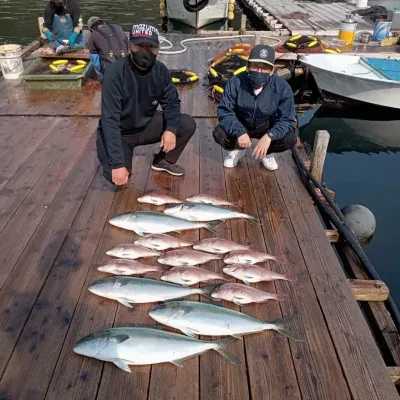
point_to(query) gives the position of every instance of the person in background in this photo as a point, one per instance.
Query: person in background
(132, 89)
(256, 105)
(107, 43)
(61, 25)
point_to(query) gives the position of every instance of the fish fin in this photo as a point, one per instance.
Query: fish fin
(211, 225)
(222, 349)
(189, 332)
(124, 303)
(206, 291)
(122, 365)
(290, 276)
(238, 303)
(281, 296)
(178, 363)
(280, 325)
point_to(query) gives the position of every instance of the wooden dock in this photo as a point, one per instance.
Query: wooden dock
(288, 17)
(54, 233)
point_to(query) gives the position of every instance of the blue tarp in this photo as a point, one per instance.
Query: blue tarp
(387, 67)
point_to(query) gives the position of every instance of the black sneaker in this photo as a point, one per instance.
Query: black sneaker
(172, 169)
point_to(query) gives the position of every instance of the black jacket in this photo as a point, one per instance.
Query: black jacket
(129, 102)
(71, 7)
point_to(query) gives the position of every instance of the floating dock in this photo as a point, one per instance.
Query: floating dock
(287, 17)
(54, 232)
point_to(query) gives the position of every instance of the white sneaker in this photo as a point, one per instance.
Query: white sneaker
(233, 158)
(269, 162)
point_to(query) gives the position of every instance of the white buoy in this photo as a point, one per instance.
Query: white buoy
(361, 220)
(11, 61)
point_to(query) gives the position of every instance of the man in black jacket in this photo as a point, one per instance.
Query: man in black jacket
(133, 87)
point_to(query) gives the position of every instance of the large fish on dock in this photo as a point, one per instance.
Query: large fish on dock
(241, 294)
(249, 273)
(162, 242)
(218, 246)
(190, 275)
(206, 212)
(144, 346)
(249, 257)
(131, 251)
(128, 267)
(208, 199)
(152, 222)
(126, 290)
(158, 199)
(194, 318)
(178, 258)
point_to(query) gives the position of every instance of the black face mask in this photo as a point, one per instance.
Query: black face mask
(258, 79)
(143, 58)
(58, 7)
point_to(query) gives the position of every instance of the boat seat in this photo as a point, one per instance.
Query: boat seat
(389, 68)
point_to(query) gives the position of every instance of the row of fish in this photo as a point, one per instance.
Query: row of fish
(142, 346)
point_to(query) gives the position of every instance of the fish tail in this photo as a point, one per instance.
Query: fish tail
(206, 291)
(281, 296)
(211, 225)
(222, 349)
(280, 324)
(290, 276)
(278, 259)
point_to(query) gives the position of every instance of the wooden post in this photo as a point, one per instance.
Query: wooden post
(243, 21)
(394, 373)
(319, 153)
(369, 290)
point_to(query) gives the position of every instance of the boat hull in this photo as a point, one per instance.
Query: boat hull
(379, 92)
(216, 10)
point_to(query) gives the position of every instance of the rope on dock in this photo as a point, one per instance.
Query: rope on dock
(337, 219)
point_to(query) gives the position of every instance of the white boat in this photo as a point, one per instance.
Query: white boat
(370, 80)
(215, 10)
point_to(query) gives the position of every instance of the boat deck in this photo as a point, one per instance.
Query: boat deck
(54, 233)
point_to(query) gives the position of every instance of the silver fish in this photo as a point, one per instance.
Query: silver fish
(249, 273)
(126, 290)
(194, 318)
(144, 346)
(241, 294)
(162, 242)
(131, 251)
(190, 275)
(218, 246)
(151, 222)
(205, 212)
(249, 257)
(158, 199)
(187, 257)
(208, 199)
(128, 267)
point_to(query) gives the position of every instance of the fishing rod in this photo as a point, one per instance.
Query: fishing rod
(337, 219)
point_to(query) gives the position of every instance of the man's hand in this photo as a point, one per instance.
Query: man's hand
(244, 141)
(120, 176)
(168, 141)
(262, 147)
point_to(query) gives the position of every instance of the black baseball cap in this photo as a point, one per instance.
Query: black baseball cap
(144, 32)
(262, 54)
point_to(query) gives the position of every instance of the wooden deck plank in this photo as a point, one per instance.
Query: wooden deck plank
(14, 190)
(26, 219)
(361, 361)
(219, 379)
(78, 377)
(318, 371)
(271, 371)
(41, 340)
(25, 281)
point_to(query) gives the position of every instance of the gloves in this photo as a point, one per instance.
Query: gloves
(72, 39)
(49, 35)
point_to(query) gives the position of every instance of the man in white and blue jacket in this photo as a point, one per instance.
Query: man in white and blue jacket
(256, 105)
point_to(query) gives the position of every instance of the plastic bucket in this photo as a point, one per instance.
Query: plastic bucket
(11, 61)
(381, 30)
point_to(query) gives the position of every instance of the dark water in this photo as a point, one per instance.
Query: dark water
(363, 167)
(19, 18)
